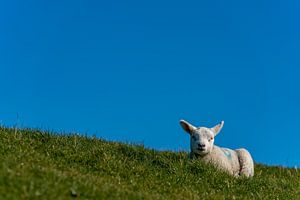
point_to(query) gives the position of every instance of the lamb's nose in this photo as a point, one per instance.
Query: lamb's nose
(201, 145)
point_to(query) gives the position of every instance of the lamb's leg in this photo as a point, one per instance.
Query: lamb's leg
(246, 163)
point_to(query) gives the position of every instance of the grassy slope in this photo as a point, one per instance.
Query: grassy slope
(39, 165)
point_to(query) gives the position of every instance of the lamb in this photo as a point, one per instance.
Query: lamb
(236, 162)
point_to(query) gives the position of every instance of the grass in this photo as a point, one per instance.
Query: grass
(41, 165)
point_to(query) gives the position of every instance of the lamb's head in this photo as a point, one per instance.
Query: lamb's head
(202, 138)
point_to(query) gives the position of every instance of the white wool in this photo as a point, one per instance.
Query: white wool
(236, 162)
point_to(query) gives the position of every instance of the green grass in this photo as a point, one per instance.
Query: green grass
(40, 165)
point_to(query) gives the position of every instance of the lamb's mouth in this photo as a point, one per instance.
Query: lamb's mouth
(201, 149)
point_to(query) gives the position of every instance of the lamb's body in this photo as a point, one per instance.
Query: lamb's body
(236, 162)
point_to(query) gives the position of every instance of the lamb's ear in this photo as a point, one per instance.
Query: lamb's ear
(216, 129)
(187, 126)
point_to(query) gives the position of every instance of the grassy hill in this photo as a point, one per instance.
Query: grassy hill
(40, 165)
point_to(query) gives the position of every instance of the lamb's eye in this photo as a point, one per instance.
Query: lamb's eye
(194, 137)
(210, 139)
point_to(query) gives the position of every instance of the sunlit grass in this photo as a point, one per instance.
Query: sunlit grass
(40, 165)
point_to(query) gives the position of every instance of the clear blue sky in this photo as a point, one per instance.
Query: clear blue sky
(129, 71)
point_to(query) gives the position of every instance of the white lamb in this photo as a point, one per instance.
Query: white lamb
(236, 162)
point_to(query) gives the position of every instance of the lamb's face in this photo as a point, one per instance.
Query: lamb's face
(202, 141)
(202, 138)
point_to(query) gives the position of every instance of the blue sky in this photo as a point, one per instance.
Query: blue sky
(129, 71)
